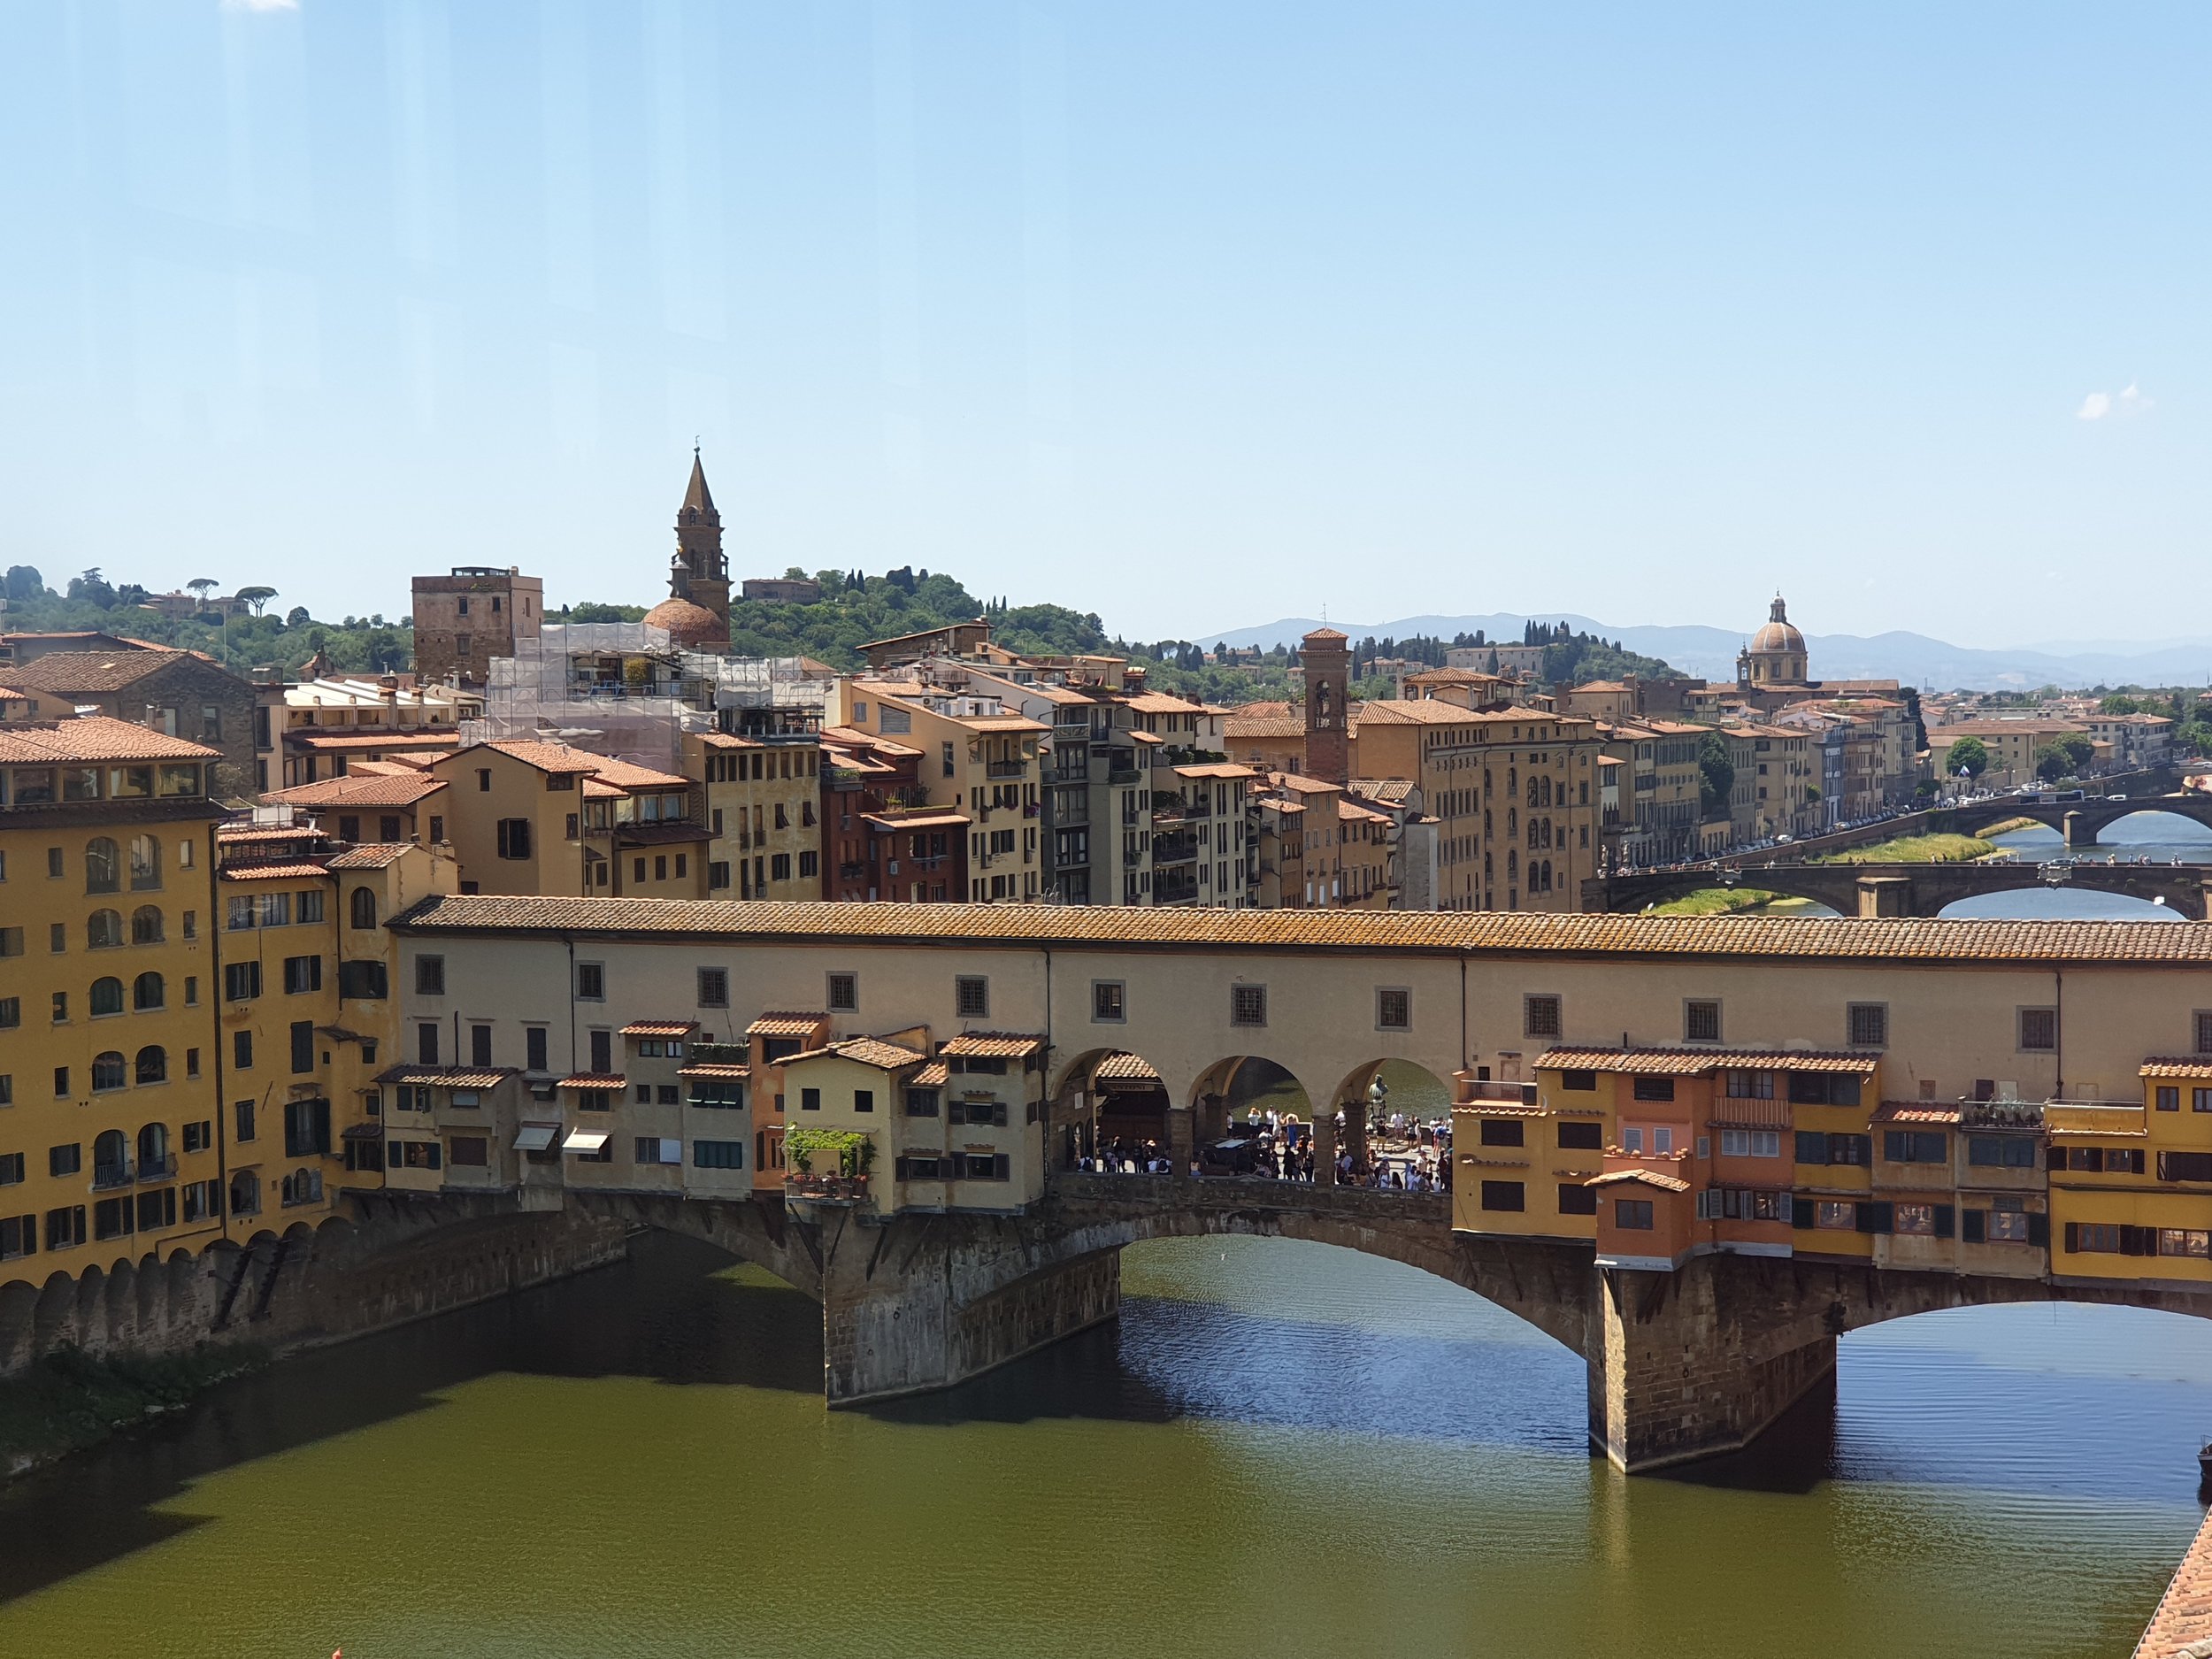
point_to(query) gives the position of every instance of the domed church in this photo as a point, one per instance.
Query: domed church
(1776, 655)
(696, 612)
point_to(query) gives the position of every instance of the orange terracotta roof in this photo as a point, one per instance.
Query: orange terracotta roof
(1226, 769)
(714, 1068)
(595, 1080)
(1694, 1062)
(454, 1076)
(923, 820)
(1161, 702)
(92, 737)
(2185, 1066)
(629, 775)
(884, 1056)
(660, 1028)
(597, 790)
(320, 741)
(787, 1024)
(289, 871)
(371, 856)
(68, 672)
(1644, 1177)
(545, 756)
(398, 788)
(2181, 1623)
(1242, 725)
(935, 1075)
(1124, 1068)
(1913, 1111)
(1515, 932)
(990, 1045)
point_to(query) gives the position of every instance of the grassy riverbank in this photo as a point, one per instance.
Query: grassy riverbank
(69, 1399)
(1914, 849)
(2009, 825)
(1731, 901)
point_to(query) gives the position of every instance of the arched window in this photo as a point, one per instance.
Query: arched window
(153, 1063)
(364, 908)
(146, 928)
(153, 1149)
(103, 930)
(145, 863)
(107, 997)
(245, 1193)
(101, 865)
(148, 993)
(1513, 866)
(111, 1158)
(109, 1070)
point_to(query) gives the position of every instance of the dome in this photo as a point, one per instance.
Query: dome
(1779, 636)
(687, 622)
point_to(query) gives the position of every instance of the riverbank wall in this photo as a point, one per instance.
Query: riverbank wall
(350, 1277)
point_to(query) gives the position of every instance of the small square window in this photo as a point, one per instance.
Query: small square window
(2203, 1023)
(591, 982)
(1109, 1001)
(972, 997)
(1700, 1021)
(844, 992)
(1867, 1025)
(2039, 1030)
(714, 987)
(1248, 1005)
(1540, 1016)
(1394, 1008)
(429, 976)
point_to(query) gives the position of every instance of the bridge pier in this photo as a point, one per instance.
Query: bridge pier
(1884, 895)
(1696, 1363)
(2070, 827)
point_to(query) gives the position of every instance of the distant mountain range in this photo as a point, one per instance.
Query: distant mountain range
(1913, 658)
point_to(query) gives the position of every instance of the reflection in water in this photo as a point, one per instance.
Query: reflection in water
(1280, 1449)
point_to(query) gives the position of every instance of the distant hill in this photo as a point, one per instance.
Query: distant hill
(1913, 658)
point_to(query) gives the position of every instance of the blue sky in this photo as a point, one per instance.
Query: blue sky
(1192, 314)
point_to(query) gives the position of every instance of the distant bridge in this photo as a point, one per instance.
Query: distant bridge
(2081, 822)
(1902, 889)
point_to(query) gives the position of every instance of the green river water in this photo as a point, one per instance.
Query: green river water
(1282, 1449)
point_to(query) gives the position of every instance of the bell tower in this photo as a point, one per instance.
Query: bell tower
(698, 571)
(1326, 658)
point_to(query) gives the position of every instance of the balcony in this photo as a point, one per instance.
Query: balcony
(1479, 1091)
(1006, 769)
(721, 1054)
(1180, 849)
(850, 872)
(1124, 774)
(1174, 892)
(107, 1176)
(2091, 1117)
(2002, 1114)
(161, 1169)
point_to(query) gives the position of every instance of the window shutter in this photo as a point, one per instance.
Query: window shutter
(2039, 1229)
(1973, 1226)
(322, 1125)
(998, 1113)
(1812, 1146)
(1802, 1213)
(2073, 1237)
(1943, 1221)
(1876, 1216)
(998, 1166)
(2054, 1158)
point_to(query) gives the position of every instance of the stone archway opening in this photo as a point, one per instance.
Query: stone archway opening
(1111, 1116)
(1251, 1116)
(1394, 1127)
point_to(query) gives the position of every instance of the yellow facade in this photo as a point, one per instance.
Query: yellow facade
(2131, 1181)
(763, 796)
(514, 818)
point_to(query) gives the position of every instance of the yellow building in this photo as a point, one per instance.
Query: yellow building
(976, 757)
(108, 1073)
(2131, 1180)
(763, 795)
(641, 839)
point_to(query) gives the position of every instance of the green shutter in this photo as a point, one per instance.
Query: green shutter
(1974, 1226)
(2073, 1238)
(1802, 1210)
(2039, 1229)
(1876, 1216)
(1943, 1221)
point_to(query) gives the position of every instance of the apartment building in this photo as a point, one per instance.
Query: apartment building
(322, 726)
(375, 800)
(181, 693)
(975, 756)
(1659, 792)
(471, 616)
(764, 793)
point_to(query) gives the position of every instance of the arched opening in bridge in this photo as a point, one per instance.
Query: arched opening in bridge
(1394, 1127)
(1247, 1114)
(2145, 833)
(1110, 1115)
(2060, 903)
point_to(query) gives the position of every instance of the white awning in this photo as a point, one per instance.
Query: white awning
(536, 1137)
(585, 1141)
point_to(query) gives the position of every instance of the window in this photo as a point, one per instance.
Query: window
(2039, 1030)
(11, 1168)
(145, 863)
(591, 982)
(303, 974)
(479, 1045)
(242, 981)
(426, 1042)
(844, 992)
(306, 1128)
(109, 1070)
(1867, 1025)
(656, 1149)
(2011, 1226)
(102, 862)
(514, 838)
(1109, 1001)
(19, 1235)
(1578, 1200)
(601, 1050)
(1502, 1132)
(1634, 1214)
(429, 976)
(714, 987)
(1915, 1218)
(1823, 1088)
(810, 1100)
(199, 1137)
(2005, 1152)
(1653, 1089)
(1751, 1143)
(151, 1065)
(1248, 1005)
(2168, 1098)
(1394, 1008)
(1750, 1085)
(302, 1045)
(103, 930)
(864, 1100)
(1508, 1195)
(1581, 1081)
(1834, 1216)
(1700, 1022)
(972, 997)
(65, 1227)
(241, 1120)
(146, 925)
(2188, 1242)
(979, 1166)
(534, 1048)
(106, 997)
(364, 981)
(1582, 1136)
(717, 1155)
(65, 1160)
(1915, 1146)
(921, 1103)
(2184, 1166)
(11, 942)
(363, 908)
(1540, 1016)
(472, 1152)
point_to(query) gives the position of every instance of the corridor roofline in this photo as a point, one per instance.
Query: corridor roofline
(1472, 934)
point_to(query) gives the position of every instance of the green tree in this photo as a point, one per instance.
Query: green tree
(2051, 764)
(2079, 748)
(2117, 704)
(254, 598)
(1969, 757)
(1716, 773)
(24, 582)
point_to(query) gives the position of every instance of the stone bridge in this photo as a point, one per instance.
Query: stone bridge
(1907, 889)
(1680, 1366)
(2080, 822)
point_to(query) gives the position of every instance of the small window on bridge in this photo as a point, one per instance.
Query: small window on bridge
(1632, 1213)
(1501, 1131)
(1394, 1008)
(2039, 1030)
(1700, 1021)
(1750, 1085)
(972, 997)
(1540, 1016)
(1915, 1146)
(844, 992)
(1576, 1199)
(2168, 1098)
(1583, 1082)
(1504, 1195)
(1868, 1024)
(1655, 1089)
(1248, 1005)
(1109, 1001)
(1589, 1137)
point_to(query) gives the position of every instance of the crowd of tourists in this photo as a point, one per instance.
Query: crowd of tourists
(1403, 1154)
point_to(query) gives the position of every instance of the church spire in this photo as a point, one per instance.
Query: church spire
(697, 498)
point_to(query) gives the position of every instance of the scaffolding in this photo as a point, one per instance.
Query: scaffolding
(625, 690)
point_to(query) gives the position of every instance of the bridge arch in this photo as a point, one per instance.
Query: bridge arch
(1238, 1087)
(1410, 1091)
(1109, 1104)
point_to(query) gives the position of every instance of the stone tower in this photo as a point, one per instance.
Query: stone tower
(1328, 665)
(696, 612)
